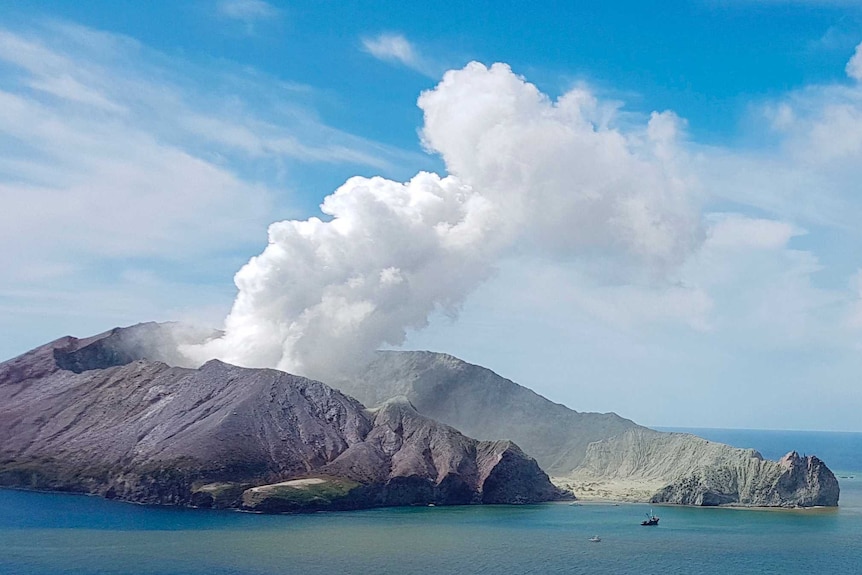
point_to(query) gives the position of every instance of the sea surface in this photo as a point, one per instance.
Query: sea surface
(46, 533)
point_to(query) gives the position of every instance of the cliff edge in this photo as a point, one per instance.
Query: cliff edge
(689, 470)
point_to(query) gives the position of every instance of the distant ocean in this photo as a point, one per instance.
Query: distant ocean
(42, 534)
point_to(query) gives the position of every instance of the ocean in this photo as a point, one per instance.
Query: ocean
(46, 533)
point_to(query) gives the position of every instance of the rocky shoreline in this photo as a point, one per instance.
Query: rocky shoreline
(108, 416)
(593, 454)
(91, 416)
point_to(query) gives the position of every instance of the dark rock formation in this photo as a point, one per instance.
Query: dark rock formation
(93, 416)
(453, 468)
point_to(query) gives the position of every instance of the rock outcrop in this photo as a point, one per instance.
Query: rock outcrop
(95, 416)
(793, 481)
(598, 455)
(685, 469)
(461, 469)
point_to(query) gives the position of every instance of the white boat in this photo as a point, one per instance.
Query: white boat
(652, 519)
(595, 539)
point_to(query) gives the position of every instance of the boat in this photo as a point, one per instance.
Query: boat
(651, 519)
(595, 539)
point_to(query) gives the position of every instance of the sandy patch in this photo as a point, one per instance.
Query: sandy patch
(592, 489)
(211, 487)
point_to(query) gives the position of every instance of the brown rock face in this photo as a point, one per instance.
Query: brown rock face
(807, 481)
(407, 448)
(93, 416)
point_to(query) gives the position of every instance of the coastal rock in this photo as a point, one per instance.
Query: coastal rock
(793, 481)
(93, 416)
(599, 455)
(685, 469)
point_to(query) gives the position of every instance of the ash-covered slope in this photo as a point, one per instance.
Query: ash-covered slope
(599, 455)
(484, 405)
(685, 469)
(93, 416)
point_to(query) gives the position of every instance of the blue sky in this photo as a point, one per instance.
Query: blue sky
(147, 147)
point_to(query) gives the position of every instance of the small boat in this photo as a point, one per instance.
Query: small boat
(595, 539)
(651, 519)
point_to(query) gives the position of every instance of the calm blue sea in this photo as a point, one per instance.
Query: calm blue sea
(67, 534)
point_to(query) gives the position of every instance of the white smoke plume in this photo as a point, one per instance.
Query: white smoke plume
(554, 178)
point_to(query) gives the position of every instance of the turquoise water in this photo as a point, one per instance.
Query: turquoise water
(67, 534)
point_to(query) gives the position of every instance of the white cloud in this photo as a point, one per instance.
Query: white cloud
(112, 155)
(854, 66)
(528, 175)
(391, 47)
(809, 173)
(836, 38)
(266, 139)
(87, 167)
(395, 48)
(53, 73)
(737, 231)
(322, 294)
(566, 181)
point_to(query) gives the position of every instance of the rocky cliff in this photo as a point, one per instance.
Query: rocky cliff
(684, 469)
(793, 481)
(96, 416)
(595, 455)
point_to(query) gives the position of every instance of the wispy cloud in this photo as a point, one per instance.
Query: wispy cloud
(397, 49)
(854, 66)
(116, 158)
(249, 12)
(837, 38)
(816, 136)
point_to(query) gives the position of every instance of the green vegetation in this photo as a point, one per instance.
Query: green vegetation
(221, 495)
(312, 493)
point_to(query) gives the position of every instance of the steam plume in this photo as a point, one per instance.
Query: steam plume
(558, 178)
